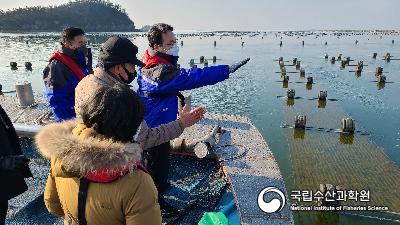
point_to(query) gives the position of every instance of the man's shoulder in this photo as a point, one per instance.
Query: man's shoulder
(56, 74)
(161, 72)
(89, 82)
(56, 68)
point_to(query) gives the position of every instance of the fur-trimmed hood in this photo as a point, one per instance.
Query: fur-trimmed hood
(72, 155)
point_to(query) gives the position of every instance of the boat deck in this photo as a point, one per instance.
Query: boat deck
(243, 154)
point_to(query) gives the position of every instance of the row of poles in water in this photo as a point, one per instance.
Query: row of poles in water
(347, 124)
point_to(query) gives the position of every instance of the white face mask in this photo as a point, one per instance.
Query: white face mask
(174, 50)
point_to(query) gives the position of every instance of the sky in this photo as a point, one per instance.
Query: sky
(261, 15)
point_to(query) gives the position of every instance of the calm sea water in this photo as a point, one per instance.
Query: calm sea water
(252, 91)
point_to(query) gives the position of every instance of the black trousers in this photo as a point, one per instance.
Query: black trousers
(3, 211)
(157, 163)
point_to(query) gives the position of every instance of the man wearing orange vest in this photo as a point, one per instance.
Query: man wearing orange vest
(67, 66)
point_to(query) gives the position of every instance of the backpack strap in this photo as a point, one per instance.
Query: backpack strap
(82, 196)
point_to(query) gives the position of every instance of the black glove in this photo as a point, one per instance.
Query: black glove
(236, 66)
(13, 162)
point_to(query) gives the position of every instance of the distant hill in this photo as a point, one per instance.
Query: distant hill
(90, 15)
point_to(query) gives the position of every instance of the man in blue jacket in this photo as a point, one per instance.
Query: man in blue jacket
(160, 82)
(67, 66)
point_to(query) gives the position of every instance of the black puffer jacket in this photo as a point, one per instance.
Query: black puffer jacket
(14, 183)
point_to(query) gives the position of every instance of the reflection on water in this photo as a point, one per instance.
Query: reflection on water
(306, 157)
(346, 139)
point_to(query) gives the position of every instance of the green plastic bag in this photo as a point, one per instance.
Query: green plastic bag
(213, 218)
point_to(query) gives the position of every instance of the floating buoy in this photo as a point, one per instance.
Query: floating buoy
(381, 78)
(374, 55)
(285, 79)
(291, 93)
(201, 59)
(281, 64)
(285, 85)
(360, 64)
(358, 69)
(297, 65)
(326, 56)
(28, 65)
(310, 80)
(329, 189)
(191, 63)
(300, 122)
(214, 59)
(378, 71)
(302, 72)
(322, 95)
(348, 125)
(283, 71)
(294, 61)
(333, 60)
(321, 104)
(348, 60)
(343, 64)
(13, 64)
(25, 94)
(387, 57)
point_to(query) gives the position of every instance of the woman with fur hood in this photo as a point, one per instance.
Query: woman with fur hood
(95, 175)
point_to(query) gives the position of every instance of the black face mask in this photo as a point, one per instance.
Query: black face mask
(131, 75)
(84, 49)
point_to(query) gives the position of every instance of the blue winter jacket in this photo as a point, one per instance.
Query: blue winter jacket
(60, 83)
(167, 80)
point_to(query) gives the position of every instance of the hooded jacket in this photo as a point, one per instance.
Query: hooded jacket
(119, 193)
(160, 81)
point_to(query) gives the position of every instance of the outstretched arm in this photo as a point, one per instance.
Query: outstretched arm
(150, 137)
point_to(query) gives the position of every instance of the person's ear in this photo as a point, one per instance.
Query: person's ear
(159, 47)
